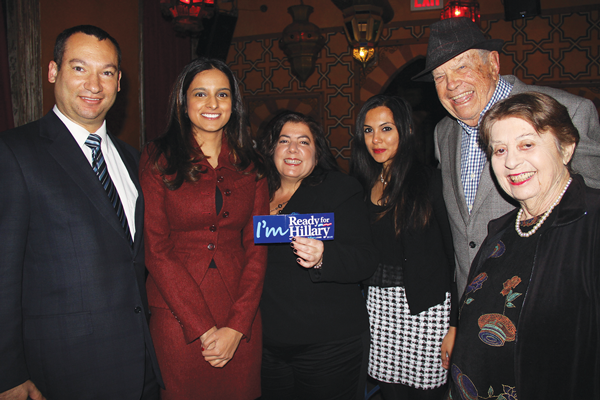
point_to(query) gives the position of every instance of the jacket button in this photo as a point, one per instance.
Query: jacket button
(211, 246)
(227, 192)
(213, 228)
(226, 214)
(472, 245)
(220, 178)
(138, 309)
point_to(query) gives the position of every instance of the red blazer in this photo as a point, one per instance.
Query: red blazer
(183, 234)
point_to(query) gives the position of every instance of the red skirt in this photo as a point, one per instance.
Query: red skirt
(185, 372)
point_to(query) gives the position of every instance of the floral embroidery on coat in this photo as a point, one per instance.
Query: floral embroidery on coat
(468, 391)
(475, 285)
(499, 250)
(497, 329)
(483, 363)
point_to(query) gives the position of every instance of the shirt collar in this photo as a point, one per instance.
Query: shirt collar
(79, 132)
(502, 91)
(225, 156)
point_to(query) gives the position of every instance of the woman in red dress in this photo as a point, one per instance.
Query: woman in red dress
(201, 189)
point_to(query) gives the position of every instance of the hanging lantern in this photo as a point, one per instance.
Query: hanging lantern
(464, 8)
(362, 25)
(301, 42)
(187, 14)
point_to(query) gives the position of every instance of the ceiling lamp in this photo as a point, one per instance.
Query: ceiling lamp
(464, 8)
(363, 24)
(187, 14)
(301, 42)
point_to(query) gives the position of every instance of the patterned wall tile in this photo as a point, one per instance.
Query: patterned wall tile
(558, 49)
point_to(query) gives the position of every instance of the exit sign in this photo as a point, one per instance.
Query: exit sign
(424, 5)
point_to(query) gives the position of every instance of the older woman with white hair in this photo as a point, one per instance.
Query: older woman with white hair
(529, 325)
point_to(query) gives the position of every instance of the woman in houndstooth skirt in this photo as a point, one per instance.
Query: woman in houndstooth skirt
(409, 296)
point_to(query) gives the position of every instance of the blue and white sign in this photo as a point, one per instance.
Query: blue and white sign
(282, 228)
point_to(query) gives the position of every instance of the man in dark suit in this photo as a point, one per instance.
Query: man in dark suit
(465, 68)
(73, 307)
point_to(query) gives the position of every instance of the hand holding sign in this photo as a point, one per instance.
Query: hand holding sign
(309, 251)
(282, 228)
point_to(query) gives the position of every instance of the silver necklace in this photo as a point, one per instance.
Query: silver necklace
(279, 206)
(542, 219)
(381, 179)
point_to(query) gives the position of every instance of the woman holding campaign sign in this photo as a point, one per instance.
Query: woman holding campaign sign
(410, 293)
(315, 324)
(201, 190)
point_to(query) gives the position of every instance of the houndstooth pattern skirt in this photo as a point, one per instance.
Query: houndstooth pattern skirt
(405, 348)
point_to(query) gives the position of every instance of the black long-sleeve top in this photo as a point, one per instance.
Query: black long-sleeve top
(306, 306)
(426, 256)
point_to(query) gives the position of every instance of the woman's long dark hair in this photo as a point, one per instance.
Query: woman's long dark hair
(406, 194)
(181, 157)
(267, 143)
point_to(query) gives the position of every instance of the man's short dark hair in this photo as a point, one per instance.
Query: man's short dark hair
(100, 34)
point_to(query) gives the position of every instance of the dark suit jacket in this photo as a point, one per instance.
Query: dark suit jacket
(303, 306)
(73, 307)
(469, 230)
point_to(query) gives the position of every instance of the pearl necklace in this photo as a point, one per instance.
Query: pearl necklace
(542, 219)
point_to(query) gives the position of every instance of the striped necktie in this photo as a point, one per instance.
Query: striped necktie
(99, 165)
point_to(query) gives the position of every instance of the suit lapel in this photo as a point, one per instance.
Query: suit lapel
(67, 153)
(459, 193)
(132, 168)
(486, 185)
(302, 199)
(518, 86)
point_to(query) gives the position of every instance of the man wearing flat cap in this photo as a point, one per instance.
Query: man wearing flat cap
(465, 68)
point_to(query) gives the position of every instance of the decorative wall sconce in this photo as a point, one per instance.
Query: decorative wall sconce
(187, 14)
(462, 8)
(363, 24)
(301, 42)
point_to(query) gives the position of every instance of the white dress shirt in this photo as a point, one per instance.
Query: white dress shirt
(116, 168)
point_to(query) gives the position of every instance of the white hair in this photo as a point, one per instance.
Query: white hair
(484, 55)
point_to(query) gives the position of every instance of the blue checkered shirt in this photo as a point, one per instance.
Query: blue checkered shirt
(472, 155)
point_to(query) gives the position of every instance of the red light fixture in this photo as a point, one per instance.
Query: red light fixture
(464, 8)
(187, 14)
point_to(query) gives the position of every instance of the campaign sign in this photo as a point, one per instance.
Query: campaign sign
(282, 228)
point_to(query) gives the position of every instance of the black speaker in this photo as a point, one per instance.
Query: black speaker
(516, 9)
(216, 36)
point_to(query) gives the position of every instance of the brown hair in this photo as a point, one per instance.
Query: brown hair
(175, 144)
(406, 195)
(267, 143)
(543, 112)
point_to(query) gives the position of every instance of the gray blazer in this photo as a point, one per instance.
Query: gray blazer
(469, 231)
